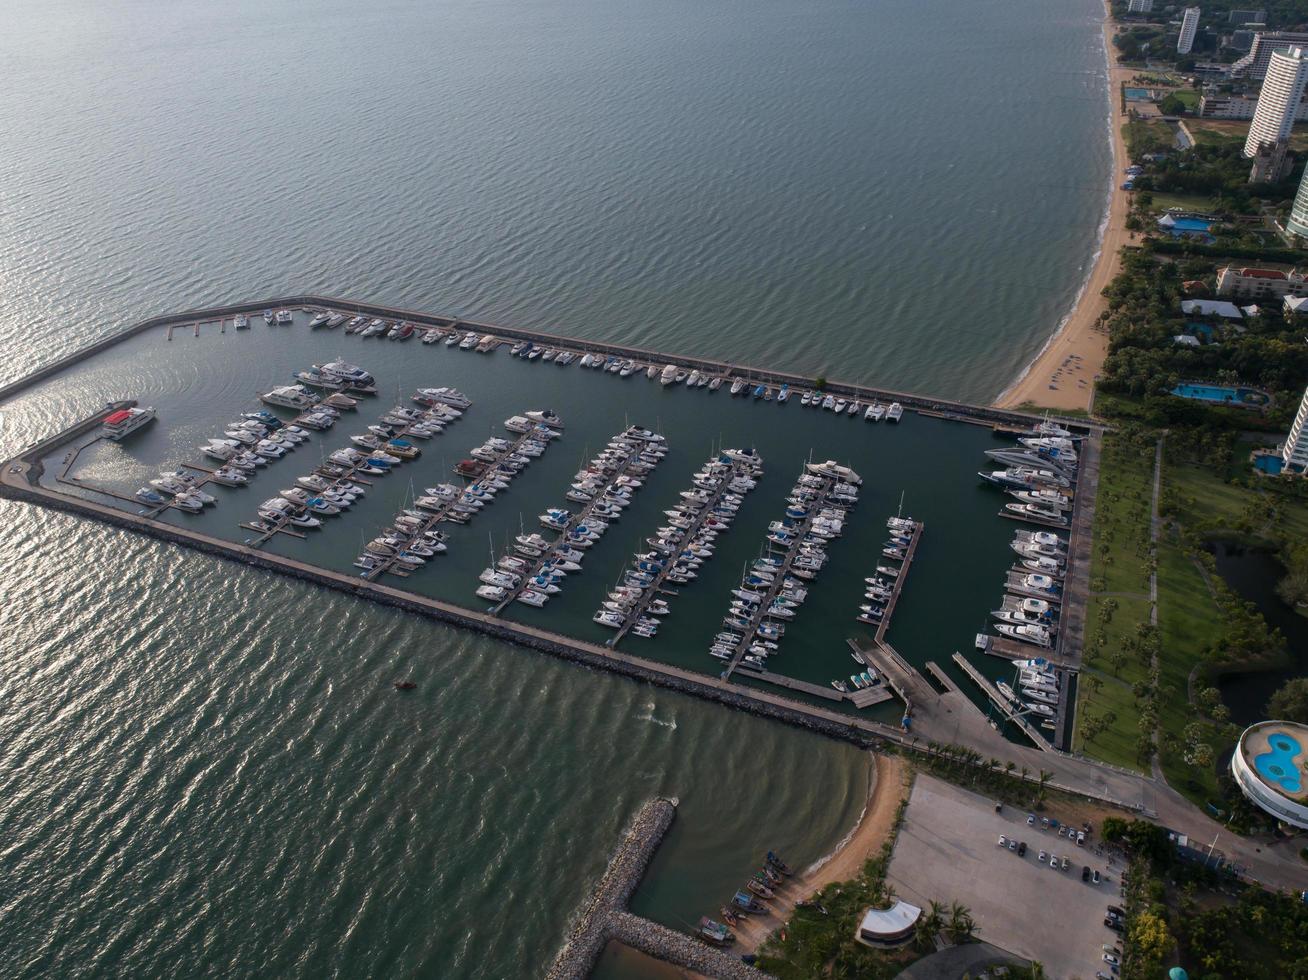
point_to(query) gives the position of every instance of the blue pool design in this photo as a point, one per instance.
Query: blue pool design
(1222, 394)
(1190, 225)
(1138, 94)
(1278, 765)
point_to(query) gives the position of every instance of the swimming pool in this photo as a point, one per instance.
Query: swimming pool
(1278, 765)
(1138, 94)
(1190, 224)
(1222, 394)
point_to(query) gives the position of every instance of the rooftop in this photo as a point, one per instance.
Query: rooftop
(1276, 752)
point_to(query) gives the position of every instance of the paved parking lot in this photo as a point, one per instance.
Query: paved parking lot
(947, 851)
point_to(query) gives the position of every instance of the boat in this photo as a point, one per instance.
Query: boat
(833, 470)
(122, 423)
(668, 376)
(1026, 633)
(241, 322)
(874, 413)
(351, 374)
(442, 396)
(774, 861)
(290, 396)
(895, 412)
(738, 386)
(760, 889)
(545, 417)
(319, 320)
(714, 933)
(151, 496)
(405, 685)
(284, 318)
(269, 317)
(492, 592)
(748, 903)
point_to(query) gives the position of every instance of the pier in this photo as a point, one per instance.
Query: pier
(779, 580)
(884, 625)
(738, 468)
(606, 919)
(630, 464)
(1002, 703)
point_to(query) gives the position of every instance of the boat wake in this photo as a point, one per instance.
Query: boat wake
(656, 721)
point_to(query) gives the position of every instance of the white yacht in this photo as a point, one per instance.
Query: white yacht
(442, 396)
(241, 322)
(833, 469)
(875, 412)
(738, 386)
(126, 421)
(1027, 633)
(290, 396)
(669, 375)
(350, 373)
(546, 417)
(284, 317)
(895, 412)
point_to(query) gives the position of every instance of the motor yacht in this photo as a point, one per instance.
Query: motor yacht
(290, 396)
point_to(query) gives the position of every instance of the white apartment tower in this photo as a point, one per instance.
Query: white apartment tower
(1140, 6)
(1189, 25)
(1294, 454)
(1282, 89)
(1298, 222)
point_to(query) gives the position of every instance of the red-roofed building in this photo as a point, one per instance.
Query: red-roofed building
(1261, 283)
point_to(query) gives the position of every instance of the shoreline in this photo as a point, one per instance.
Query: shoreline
(1062, 374)
(886, 788)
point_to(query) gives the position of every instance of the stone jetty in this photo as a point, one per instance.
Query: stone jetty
(606, 919)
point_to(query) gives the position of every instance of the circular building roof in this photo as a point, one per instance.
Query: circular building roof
(1270, 764)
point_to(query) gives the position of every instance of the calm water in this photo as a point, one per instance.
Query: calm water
(204, 768)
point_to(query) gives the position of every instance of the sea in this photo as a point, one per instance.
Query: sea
(205, 769)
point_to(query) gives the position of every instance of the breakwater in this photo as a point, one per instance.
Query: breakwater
(605, 917)
(960, 410)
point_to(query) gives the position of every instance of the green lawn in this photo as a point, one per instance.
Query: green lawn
(1119, 583)
(1186, 202)
(1143, 136)
(1187, 95)
(1116, 743)
(1189, 621)
(1204, 501)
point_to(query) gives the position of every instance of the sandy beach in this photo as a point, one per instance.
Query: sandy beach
(885, 791)
(1062, 376)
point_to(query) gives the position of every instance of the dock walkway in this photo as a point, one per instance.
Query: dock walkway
(1002, 703)
(738, 468)
(773, 590)
(442, 512)
(577, 520)
(904, 566)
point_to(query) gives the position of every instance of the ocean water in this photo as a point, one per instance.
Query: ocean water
(205, 769)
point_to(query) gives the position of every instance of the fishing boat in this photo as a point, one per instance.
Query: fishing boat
(714, 933)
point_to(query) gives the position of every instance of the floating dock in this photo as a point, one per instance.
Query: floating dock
(1002, 703)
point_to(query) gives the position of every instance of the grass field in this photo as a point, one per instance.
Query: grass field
(1186, 202)
(1235, 130)
(1119, 583)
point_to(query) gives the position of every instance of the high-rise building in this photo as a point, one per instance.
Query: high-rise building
(1247, 17)
(1273, 162)
(1254, 64)
(1139, 6)
(1189, 25)
(1298, 223)
(1279, 99)
(1294, 454)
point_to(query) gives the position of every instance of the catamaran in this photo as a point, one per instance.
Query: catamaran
(125, 421)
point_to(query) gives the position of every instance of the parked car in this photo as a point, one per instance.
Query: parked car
(1114, 910)
(1066, 863)
(1021, 849)
(1114, 924)
(1080, 838)
(1085, 873)
(1095, 877)
(1111, 958)
(1002, 840)
(1012, 844)
(1044, 823)
(1030, 819)
(1053, 864)
(1044, 854)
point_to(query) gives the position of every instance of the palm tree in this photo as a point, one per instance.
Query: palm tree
(928, 925)
(961, 925)
(1042, 792)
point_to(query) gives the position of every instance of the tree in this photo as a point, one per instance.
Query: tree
(961, 926)
(1290, 702)
(929, 925)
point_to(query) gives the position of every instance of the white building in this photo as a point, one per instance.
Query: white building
(1298, 221)
(1189, 25)
(1238, 107)
(1254, 64)
(1287, 72)
(1294, 454)
(1260, 283)
(1268, 766)
(1140, 6)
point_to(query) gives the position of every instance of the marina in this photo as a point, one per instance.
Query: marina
(780, 582)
